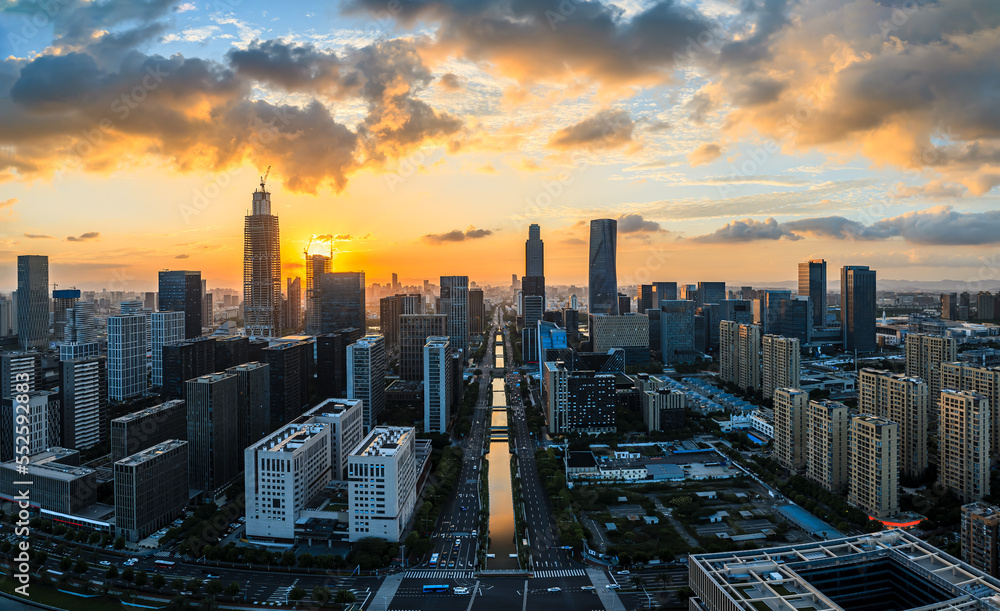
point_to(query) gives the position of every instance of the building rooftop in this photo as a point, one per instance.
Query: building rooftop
(290, 437)
(330, 407)
(890, 571)
(383, 441)
(44, 464)
(149, 410)
(150, 453)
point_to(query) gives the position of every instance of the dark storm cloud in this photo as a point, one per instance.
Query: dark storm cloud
(606, 129)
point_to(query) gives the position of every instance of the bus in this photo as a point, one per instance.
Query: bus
(445, 589)
(434, 559)
(166, 564)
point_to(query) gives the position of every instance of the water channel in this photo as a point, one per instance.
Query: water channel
(501, 497)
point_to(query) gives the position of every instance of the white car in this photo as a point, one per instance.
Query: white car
(554, 590)
(104, 563)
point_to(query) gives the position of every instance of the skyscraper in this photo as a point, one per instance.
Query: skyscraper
(180, 291)
(151, 489)
(534, 252)
(366, 376)
(437, 384)
(168, 327)
(316, 265)
(341, 301)
(603, 288)
(293, 303)
(213, 424)
(414, 329)
(261, 269)
(677, 330)
(711, 292)
(63, 302)
(477, 312)
(32, 301)
(455, 305)
(83, 395)
(126, 356)
(812, 283)
(857, 307)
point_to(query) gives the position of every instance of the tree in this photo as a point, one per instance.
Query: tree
(306, 560)
(40, 557)
(232, 589)
(297, 593)
(159, 581)
(177, 584)
(194, 585)
(288, 559)
(141, 578)
(120, 543)
(214, 586)
(344, 597)
(65, 564)
(128, 574)
(321, 594)
(112, 572)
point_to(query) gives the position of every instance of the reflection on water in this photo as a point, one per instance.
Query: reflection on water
(501, 498)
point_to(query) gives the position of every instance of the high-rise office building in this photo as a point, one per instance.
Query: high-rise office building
(167, 328)
(903, 400)
(646, 298)
(873, 475)
(32, 301)
(151, 489)
(382, 488)
(366, 376)
(126, 356)
(394, 306)
(663, 409)
(983, 380)
(81, 327)
(790, 435)
(455, 305)
(345, 418)
(63, 302)
(624, 303)
(986, 306)
(83, 396)
(812, 284)
(677, 330)
(477, 312)
(413, 333)
(291, 366)
(924, 354)
(149, 300)
(145, 428)
(780, 361)
(213, 424)
(950, 306)
(767, 310)
(40, 414)
(19, 368)
(965, 444)
(664, 291)
(857, 307)
(316, 266)
(437, 385)
(980, 537)
(184, 360)
(627, 331)
(231, 350)
(534, 252)
(180, 291)
(711, 292)
(253, 381)
(261, 269)
(828, 450)
(293, 304)
(331, 361)
(577, 400)
(603, 287)
(341, 301)
(738, 310)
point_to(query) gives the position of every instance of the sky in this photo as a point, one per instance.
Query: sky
(730, 138)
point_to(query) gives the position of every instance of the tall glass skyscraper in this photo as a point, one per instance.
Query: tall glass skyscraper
(180, 291)
(32, 301)
(341, 301)
(812, 283)
(857, 307)
(455, 303)
(603, 266)
(261, 269)
(534, 252)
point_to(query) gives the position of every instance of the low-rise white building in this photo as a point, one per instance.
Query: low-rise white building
(382, 485)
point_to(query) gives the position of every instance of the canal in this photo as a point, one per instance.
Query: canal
(502, 544)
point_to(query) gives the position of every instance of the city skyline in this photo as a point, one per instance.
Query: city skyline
(695, 159)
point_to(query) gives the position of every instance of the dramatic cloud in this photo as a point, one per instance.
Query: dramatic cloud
(83, 237)
(706, 153)
(450, 82)
(457, 235)
(590, 39)
(634, 223)
(7, 203)
(748, 230)
(38, 236)
(934, 189)
(182, 256)
(915, 89)
(940, 225)
(605, 130)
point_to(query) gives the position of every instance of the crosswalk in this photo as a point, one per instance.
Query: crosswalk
(563, 573)
(442, 574)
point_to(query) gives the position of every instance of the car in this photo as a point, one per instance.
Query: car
(587, 588)
(461, 590)
(104, 563)
(451, 564)
(464, 508)
(213, 576)
(613, 586)
(554, 590)
(623, 572)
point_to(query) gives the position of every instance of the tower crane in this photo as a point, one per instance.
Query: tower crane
(263, 179)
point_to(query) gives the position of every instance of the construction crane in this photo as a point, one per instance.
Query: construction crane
(263, 179)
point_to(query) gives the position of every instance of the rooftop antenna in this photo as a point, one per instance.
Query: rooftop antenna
(263, 179)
